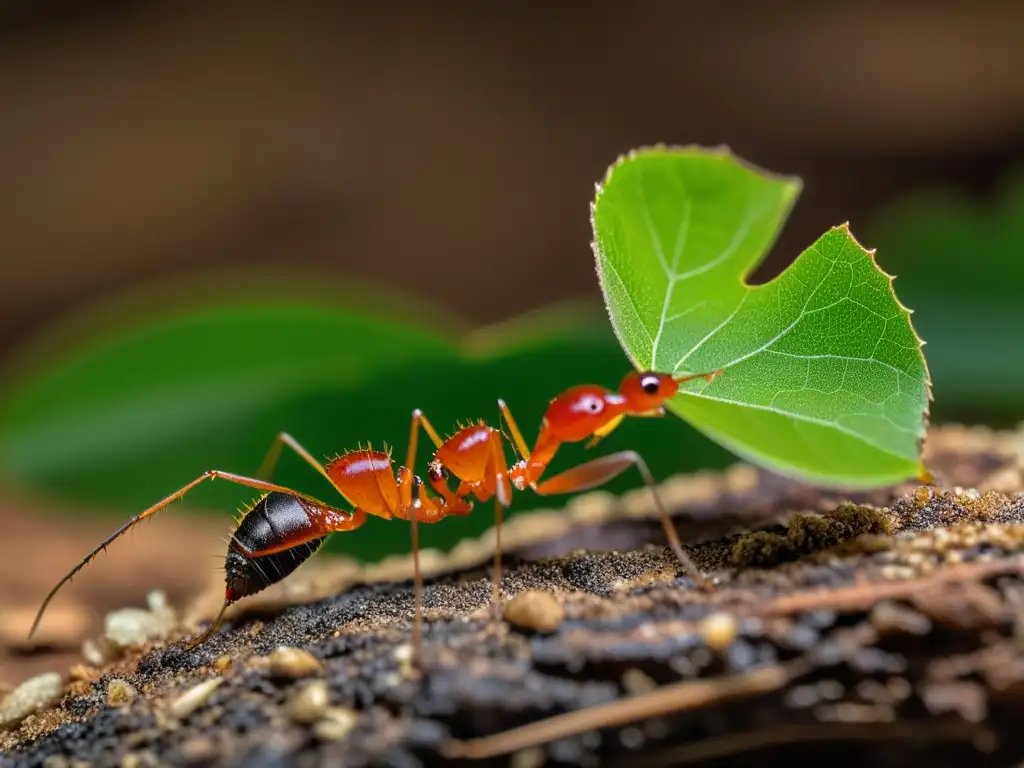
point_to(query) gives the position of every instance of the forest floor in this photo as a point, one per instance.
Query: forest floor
(885, 627)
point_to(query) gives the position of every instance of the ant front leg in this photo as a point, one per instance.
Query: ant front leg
(212, 474)
(600, 471)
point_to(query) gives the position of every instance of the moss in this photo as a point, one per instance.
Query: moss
(809, 533)
(761, 548)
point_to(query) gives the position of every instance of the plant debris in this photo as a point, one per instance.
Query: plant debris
(888, 627)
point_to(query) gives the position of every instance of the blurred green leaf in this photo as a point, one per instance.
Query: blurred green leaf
(130, 412)
(150, 386)
(823, 375)
(961, 264)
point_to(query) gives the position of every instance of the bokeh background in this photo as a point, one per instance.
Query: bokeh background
(218, 220)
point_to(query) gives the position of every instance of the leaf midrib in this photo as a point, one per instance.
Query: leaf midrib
(797, 417)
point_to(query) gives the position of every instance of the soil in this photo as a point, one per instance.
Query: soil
(883, 628)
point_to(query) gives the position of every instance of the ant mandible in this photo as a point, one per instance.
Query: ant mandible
(284, 528)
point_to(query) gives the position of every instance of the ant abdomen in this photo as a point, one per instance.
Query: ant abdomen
(268, 527)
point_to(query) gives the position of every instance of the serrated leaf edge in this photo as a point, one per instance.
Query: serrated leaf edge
(908, 313)
(723, 151)
(720, 151)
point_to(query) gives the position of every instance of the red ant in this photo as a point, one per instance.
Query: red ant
(284, 528)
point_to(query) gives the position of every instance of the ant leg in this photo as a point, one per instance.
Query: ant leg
(418, 420)
(207, 633)
(269, 463)
(502, 498)
(517, 437)
(212, 474)
(600, 471)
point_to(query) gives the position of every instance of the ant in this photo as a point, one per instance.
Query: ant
(284, 528)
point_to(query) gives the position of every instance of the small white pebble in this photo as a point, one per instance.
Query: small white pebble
(194, 698)
(130, 627)
(632, 738)
(309, 704)
(120, 693)
(718, 631)
(94, 653)
(157, 601)
(33, 695)
(293, 663)
(636, 681)
(531, 757)
(336, 724)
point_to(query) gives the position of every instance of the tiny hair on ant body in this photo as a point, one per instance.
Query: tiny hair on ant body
(284, 527)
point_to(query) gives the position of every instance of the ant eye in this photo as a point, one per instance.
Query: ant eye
(650, 384)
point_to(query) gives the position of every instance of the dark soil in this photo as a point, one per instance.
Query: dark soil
(881, 629)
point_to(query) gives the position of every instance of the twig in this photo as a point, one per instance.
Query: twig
(677, 697)
(866, 594)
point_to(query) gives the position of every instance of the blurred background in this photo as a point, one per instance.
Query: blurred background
(219, 220)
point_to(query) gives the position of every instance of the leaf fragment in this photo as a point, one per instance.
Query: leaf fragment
(823, 375)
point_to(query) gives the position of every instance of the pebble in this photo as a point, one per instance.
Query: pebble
(632, 738)
(84, 673)
(223, 663)
(99, 652)
(531, 757)
(294, 663)
(131, 627)
(120, 693)
(968, 699)
(336, 724)
(718, 630)
(404, 656)
(199, 750)
(309, 704)
(635, 681)
(889, 617)
(194, 698)
(33, 695)
(535, 609)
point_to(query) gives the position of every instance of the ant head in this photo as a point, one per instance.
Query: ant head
(646, 392)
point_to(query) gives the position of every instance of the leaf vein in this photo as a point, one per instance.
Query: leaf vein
(801, 417)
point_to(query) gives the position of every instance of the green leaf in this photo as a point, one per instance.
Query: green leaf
(822, 374)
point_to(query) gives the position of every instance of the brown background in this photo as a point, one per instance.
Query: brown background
(452, 148)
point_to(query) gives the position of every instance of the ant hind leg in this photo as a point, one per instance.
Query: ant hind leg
(212, 474)
(599, 471)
